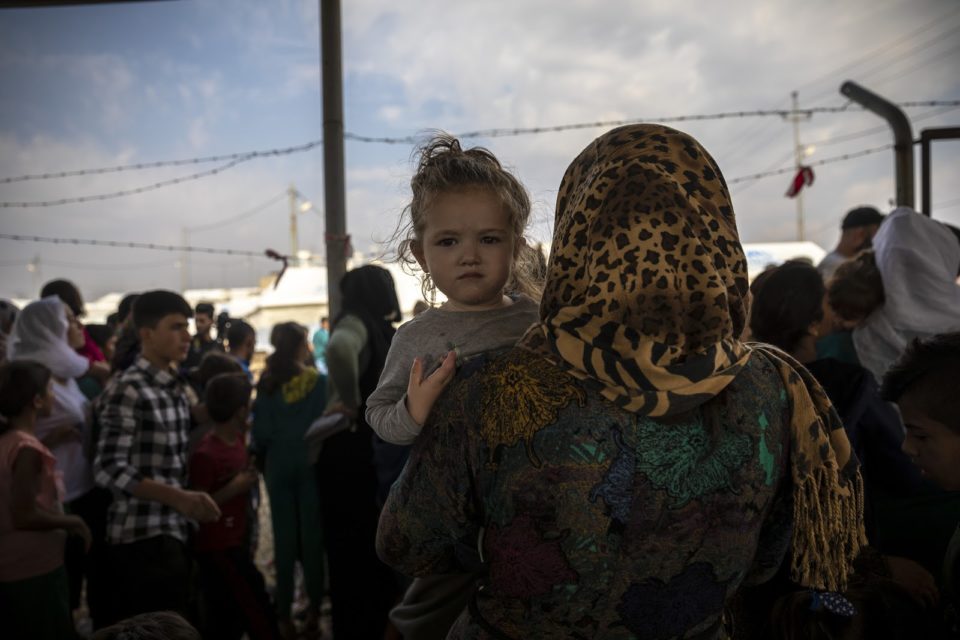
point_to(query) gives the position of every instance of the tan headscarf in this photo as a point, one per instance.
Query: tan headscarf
(645, 303)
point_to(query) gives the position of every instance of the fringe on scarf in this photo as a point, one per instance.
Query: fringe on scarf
(828, 529)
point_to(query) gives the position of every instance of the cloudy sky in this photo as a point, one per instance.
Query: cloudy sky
(87, 87)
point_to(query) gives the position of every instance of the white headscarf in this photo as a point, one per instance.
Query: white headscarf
(918, 260)
(40, 334)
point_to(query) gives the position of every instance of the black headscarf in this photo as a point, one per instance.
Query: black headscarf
(370, 295)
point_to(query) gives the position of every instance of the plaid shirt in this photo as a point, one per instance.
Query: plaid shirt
(144, 417)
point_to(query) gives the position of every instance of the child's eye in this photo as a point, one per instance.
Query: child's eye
(446, 242)
(490, 239)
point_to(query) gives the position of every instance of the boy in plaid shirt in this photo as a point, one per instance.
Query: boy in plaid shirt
(144, 419)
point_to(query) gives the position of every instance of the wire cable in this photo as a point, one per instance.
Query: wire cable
(777, 172)
(237, 158)
(132, 245)
(240, 216)
(124, 192)
(246, 155)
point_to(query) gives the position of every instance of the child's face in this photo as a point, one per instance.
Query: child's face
(932, 445)
(468, 248)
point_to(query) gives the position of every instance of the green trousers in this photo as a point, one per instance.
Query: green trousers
(295, 512)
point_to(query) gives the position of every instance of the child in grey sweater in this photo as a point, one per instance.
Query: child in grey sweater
(465, 231)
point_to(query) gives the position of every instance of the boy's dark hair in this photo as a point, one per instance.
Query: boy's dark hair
(225, 394)
(213, 364)
(930, 369)
(20, 382)
(238, 332)
(126, 306)
(153, 306)
(205, 308)
(100, 333)
(786, 301)
(159, 625)
(856, 288)
(66, 291)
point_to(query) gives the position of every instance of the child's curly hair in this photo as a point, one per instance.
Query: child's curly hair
(444, 166)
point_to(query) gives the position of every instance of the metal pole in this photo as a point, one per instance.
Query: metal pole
(294, 243)
(927, 136)
(902, 135)
(333, 163)
(798, 160)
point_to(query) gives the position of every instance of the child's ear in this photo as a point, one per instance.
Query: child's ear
(416, 248)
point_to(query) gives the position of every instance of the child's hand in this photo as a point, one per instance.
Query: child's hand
(423, 392)
(342, 408)
(199, 506)
(247, 478)
(79, 528)
(62, 435)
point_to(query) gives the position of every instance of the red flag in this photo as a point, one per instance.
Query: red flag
(803, 178)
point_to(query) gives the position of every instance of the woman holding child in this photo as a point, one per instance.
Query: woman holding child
(630, 463)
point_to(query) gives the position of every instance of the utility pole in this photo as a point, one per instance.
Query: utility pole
(798, 155)
(333, 165)
(294, 243)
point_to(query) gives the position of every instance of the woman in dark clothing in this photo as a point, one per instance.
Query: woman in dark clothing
(630, 464)
(351, 466)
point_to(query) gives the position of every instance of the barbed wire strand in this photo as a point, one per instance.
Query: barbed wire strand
(124, 192)
(777, 172)
(267, 253)
(412, 139)
(519, 131)
(134, 245)
(263, 153)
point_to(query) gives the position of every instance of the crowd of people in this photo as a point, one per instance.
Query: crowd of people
(631, 440)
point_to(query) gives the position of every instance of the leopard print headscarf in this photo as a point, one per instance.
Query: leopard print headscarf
(647, 282)
(645, 302)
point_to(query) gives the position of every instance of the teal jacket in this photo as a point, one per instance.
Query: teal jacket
(282, 418)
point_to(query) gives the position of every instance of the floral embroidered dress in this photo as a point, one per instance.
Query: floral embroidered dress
(630, 464)
(596, 522)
